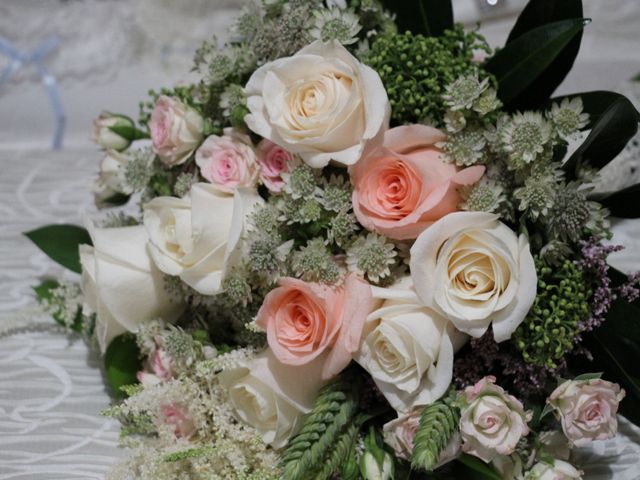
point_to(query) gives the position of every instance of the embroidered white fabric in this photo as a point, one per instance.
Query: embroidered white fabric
(51, 386)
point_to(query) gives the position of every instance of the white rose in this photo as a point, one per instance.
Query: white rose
(272, 397)
(121, 285)
(103, 135)
(559, 470)
(475, 271)
(111, 179)
(198, 238)
(321, 104)
(408, 348)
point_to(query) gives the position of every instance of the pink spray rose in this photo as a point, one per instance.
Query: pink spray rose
(176, 415)
(274, 161)
(587, 409)
(158, 368)
(492, 421)
(404, 186)
(229, 161)
(304, 320)
(176, 130)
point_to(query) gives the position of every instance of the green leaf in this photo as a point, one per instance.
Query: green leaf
(595, 103)
(472, 468)
(538, 13)
(624, 203)
(117, 199)
(43, 292)
(522, 61)
(60, 243)
(607, 138)
(438, 423)
(129, 132)
(122, 362)
(427, 17)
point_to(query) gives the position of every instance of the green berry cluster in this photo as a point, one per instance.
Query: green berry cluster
(549, 331)
(416, 70)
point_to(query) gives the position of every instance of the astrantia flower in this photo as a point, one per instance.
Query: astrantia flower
(466, 147)
(336, 195)
(536, 196)
(568, 117)
(371, 256)
(524, 137)
(313, 263)
(462, 93)
(485, 196)
(336, 24)
(300, 182)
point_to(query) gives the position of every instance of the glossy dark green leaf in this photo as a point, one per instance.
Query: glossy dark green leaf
(624, 203)
(595, 103)
(609, 135)
(522, 61)
(43, 292)
(472, 468)
(122, 361)
(117, 200)
(536, 14)
(60, 243)
(427, 17)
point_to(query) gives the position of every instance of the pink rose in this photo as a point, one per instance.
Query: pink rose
(176, 130)
(492, 421)
(158, 368)
(304, 320)
(176, 415)
(228, 162)
(404, 186)
(587, 409)
(274, 161)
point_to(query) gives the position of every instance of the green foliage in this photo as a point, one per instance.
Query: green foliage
(438, 422)
(522, 61)
(415, 70)
(122, 362)
(432, 18)
(608, 136)
(472, 468)
(623, 203)
(66, 311)
(322, 446)
(551, 326)
(60, 243)
(536, 14)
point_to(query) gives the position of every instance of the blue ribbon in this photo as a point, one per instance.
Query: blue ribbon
(36, 57)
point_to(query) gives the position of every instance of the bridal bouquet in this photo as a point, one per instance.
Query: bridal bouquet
(363, 245)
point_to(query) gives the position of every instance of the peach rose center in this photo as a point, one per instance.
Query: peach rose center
(301, 323)
(394, 189)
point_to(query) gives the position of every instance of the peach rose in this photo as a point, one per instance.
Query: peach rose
(587, 409)
(304, 320)
(274, 161)
(228, 162)
(404, 186)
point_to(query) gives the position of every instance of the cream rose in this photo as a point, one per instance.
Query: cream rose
(475, 271)
(408, 348)
(111, 179)
(176, 130)
(492, 421)
(321, 103)
(121, 285)
(587, 409)
(559, 470)
(228, 162)
(272, 397)
(198, 238)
